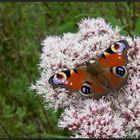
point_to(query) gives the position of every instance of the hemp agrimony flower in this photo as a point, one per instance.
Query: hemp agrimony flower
(115, 115)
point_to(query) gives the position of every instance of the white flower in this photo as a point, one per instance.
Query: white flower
(94, 119)
(113, 115)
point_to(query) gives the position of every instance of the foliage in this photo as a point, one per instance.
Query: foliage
(22, 28)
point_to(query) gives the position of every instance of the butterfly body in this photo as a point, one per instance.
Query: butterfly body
(108, 73)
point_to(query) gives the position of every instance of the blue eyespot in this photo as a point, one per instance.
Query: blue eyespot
(57, 81)
(120, 71)
(86, 90)
(119, 47)
(59, 78)
(122, 46)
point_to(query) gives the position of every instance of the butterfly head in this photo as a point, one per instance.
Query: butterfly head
(119, 46)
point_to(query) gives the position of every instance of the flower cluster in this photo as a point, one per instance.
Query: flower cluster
(111, 116)
(93, 120)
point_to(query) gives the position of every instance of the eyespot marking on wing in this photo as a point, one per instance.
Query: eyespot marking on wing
(119, 71)
(58, 79)
(86, 89)
(119, 46)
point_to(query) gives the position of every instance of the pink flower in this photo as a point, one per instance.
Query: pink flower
(111, 116)
(94, 119)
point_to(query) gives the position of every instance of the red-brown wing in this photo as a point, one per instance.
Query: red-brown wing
(70, 79)
(112, 63)
(115, 55)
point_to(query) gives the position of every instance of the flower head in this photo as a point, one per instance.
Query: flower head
(110, 116)
(94, 119)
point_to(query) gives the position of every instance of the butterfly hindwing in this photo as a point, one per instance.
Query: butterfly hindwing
(113, 64)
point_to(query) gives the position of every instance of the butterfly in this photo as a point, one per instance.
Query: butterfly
(108, 73)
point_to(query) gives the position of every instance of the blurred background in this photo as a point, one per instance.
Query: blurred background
(23, 26)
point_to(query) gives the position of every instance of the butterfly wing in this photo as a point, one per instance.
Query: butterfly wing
(115, 55)
(79, 80)
(70, 79)
(109, 72)
(113, 63)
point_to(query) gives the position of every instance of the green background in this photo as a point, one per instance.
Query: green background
(22, 28)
